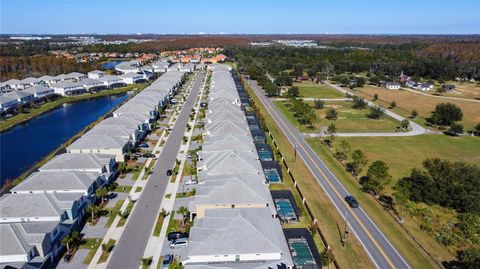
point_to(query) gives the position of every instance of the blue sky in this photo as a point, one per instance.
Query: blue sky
(236, 17)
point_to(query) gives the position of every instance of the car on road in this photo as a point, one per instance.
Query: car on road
(179, 243)
(148, 155)
(167, 260)
(144, 145)
(176, 235)
(169, 172)
(351, 201)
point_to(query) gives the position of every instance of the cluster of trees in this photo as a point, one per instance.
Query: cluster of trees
(258, 73)
(454, 185)
(304, 113)
(22, 67)
(448, 114)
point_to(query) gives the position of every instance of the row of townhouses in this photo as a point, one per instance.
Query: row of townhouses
(50, 203)
(16, 92)
(236, 223)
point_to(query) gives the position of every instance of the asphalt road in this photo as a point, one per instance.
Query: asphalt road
(376, 245)
(131, 246)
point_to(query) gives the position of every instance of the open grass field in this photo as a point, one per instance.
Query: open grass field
(404, 153)
(313, 90)
(465, 90)
(355, 120)
(349, 120)
(395, 233)
(407, 101)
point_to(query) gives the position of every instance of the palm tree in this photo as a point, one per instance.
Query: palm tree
(71, 239)
(101, 193)
(93, 209)
(122, 167)
(67, 241)
(184, 212)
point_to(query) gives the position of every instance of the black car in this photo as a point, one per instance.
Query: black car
(148, 155)
(176, 235)
(352, 202)
(169, 172)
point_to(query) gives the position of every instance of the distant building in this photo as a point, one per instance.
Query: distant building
(68, 88)
(425, 86)
(96, 74)
(403, 78)
(40, 91)
(448, 87)
(392, 85)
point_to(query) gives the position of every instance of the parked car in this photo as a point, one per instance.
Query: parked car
(137, 155)
(190, 182)
(179, 243)
(68, 256)
(167, 260)
(351, 201)
(176, 235)
(148, 155)
(169, 172)
(144, 145)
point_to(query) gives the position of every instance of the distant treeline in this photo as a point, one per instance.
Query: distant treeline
(415, 59)
(36, 66)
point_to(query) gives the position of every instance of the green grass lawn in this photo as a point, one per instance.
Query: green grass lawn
(352, 120)
(158, 225)
(105, 253)
(92, 244)
(113, 213)
(349, 120)
(404, 153)
(128, 211)
(312, 90)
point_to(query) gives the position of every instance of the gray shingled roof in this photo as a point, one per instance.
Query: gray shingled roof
(12, 243)
(58, 181)
(223, 232)
(98, 142)
(78, 161)
(28, 206)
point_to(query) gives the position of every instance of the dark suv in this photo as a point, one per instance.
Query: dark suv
(352, 202)
(176, 235)
(169, 172)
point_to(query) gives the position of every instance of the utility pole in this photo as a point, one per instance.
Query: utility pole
(346, 227)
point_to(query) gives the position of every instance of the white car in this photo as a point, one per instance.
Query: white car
(190, 182)
(180, 242)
